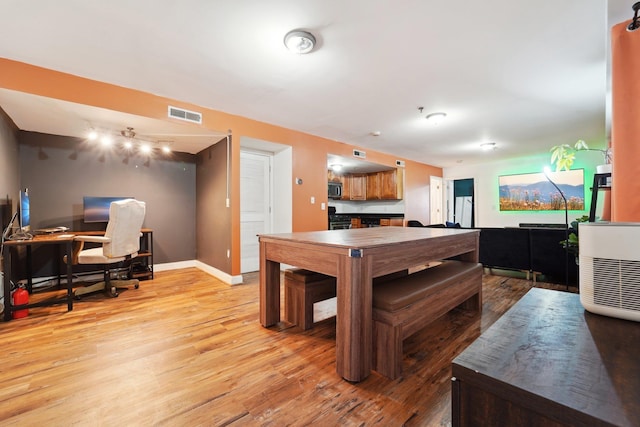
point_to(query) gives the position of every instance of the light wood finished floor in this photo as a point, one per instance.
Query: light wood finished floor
(187, 349)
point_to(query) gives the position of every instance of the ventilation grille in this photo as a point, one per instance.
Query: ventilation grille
(616, 283)
(400, 163)
(359, 153)
(186, 115)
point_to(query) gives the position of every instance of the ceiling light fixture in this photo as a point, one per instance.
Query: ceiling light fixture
(436, 118)
(488, 146)
(336, 167)
(300, 42)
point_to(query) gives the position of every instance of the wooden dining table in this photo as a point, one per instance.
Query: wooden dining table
(355, 257)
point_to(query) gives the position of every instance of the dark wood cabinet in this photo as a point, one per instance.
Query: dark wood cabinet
(548, 362)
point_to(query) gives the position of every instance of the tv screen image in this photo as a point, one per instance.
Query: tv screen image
(96, 209)
(534, 192)
(25, 214)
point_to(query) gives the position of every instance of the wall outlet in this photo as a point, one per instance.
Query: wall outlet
(228, 253)
(323, 206)
(313, 200)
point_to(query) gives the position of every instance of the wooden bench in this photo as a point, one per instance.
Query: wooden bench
(303, 288)
(407, 304)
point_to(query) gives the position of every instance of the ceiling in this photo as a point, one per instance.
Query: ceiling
(524, 75)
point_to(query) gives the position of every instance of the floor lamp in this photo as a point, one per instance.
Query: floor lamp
(547, 171)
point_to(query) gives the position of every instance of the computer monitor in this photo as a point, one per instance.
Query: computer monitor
(96, 209)
(25, 208)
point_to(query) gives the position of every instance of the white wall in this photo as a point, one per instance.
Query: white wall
(485, 175)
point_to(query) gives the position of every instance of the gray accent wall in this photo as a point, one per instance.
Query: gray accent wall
(213, 216)
(60, 170)
(9, 169)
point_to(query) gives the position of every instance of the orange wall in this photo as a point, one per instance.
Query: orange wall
(625, 124)
(309, 152)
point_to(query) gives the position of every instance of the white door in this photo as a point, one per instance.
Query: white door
(255, 206)
(436, 197)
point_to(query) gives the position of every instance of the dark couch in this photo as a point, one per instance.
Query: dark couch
(535, 250)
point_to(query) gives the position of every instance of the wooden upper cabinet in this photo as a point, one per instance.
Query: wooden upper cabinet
(346, 187)
(387, 185)
(391, 184)
(373, 186)
(358, 187)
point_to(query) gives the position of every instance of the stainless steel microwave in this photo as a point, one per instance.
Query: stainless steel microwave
(335, 190)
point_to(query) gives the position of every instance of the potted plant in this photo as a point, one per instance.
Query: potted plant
(563, 156)
(572, 244)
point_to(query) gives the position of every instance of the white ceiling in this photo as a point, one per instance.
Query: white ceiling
(525, 75)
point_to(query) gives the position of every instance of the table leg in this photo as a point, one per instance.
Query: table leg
(269, 289)
(353, 321)
(69, 251)
(6, 284)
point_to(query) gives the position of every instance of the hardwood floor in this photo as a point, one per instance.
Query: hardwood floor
(187, 349)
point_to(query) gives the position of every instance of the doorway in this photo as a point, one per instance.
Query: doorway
(460, 202)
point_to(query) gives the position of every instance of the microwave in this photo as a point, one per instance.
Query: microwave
(335, 190)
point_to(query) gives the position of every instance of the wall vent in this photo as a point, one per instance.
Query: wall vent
(186, 115)
(400, 163)
(359, 153)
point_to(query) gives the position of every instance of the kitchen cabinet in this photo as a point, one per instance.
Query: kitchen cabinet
(346, 187)
(392, 222)
(385, 185)
(358, 189)
(373, 186)
(391, 184)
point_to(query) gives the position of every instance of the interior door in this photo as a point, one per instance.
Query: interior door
(436, 200)
(255, 206)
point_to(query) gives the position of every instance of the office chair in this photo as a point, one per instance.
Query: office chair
(120, 242)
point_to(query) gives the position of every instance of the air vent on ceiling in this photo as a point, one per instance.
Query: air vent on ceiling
(359, 153)
(400, 163)
(186, 115)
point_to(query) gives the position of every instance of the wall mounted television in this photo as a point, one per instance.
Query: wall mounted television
(96, 209)
(534, 192)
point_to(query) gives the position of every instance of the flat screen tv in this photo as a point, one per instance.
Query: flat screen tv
(25, 210)
(96, 209)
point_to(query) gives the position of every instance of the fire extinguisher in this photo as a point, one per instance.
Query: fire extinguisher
(20, 296)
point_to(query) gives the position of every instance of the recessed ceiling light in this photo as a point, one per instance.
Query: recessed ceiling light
(436, 118)
(300, 42)
(488, 146)
(376, 133)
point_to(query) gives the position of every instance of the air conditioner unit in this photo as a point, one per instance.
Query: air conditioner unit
(610, 269)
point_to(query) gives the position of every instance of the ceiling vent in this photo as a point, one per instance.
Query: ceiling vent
(400, 163)
(186, 115)
(359, 153)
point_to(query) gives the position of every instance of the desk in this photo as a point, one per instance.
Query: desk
(548, 362)
(64, 240)
(355, 257)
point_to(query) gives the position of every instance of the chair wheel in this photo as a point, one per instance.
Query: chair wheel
(136, 286)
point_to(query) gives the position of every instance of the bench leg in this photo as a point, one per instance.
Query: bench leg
(298, 306)
(387, 349)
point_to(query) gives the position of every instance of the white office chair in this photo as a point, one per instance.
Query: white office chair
(120, 242)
